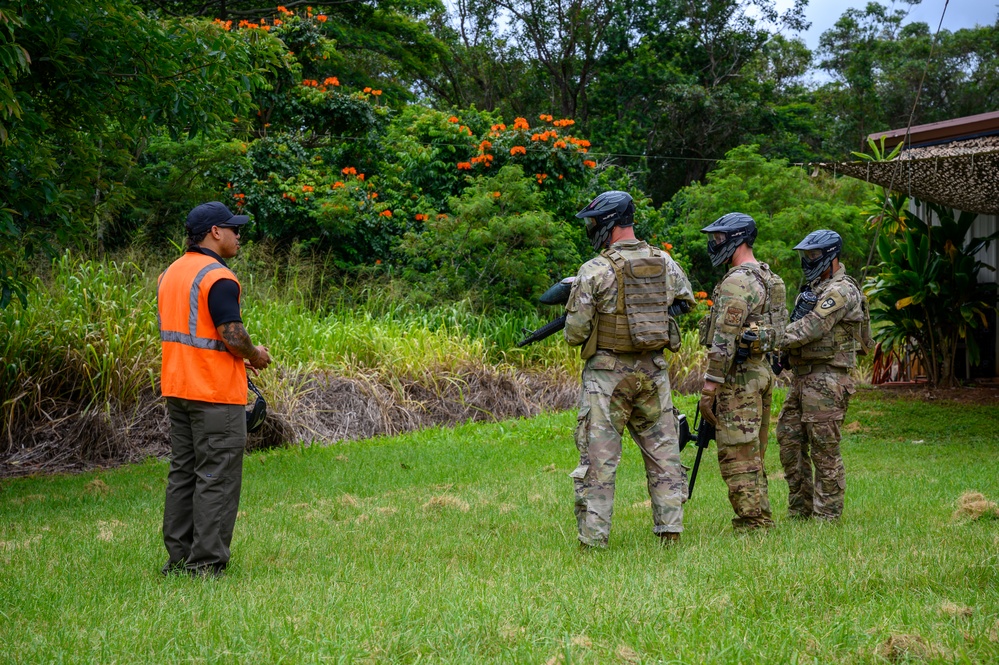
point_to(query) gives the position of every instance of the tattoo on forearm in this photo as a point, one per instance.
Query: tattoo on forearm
(238, 340)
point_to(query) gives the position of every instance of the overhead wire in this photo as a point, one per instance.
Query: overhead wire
(906, 139)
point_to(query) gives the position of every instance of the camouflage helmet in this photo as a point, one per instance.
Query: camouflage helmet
(603, 213)
(738, 228)
(817, 252)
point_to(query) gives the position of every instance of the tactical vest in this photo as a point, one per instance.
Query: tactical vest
(640, 321)
(839, 346)
(769, 323)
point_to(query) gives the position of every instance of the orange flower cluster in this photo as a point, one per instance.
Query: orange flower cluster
(420, 217)
(373, 195)
(310, 83)
(496, 195)
(498, 128)
(367, 89)
(240, 199)
(288, 196)
(321, 18)
(544, 136)
(521, 123)
(541, 177)
(561, 144)
(376, 93)
(464, 130)
(464, 166)
(518, 150)
(337, 184)
(385, 213)
(252, 26)
(484, 146)
(378, 262)
(348, 170)
(284, 10)
(453, 118)
(278, 21)
(308, 188)
(667, 246)
(360, 176)
(589, 163)
(485, 159)
(225, 25)
(581, 144)
(545, 117)
(331, 80)
(566, 122)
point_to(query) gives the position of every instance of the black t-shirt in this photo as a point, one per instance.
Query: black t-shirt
(223, 298)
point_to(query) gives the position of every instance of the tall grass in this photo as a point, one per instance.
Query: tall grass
(88, 342)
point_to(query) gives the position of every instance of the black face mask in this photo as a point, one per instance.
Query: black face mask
(813, 268)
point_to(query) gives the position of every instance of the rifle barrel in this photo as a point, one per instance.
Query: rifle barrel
(543, 332)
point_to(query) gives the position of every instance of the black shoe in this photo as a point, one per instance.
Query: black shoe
(173, 567)
(209, 571)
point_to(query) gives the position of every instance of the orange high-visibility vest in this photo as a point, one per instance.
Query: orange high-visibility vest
(196, 363)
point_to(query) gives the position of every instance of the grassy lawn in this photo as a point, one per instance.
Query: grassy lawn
(459, 546)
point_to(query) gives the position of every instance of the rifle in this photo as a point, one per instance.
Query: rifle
(702, 434)
(558, 294)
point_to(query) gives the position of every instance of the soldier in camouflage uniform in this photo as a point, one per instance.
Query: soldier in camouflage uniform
(617, 310)
(747, 311)
(822, 347)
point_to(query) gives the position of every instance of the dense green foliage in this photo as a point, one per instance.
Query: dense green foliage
(786, 202)
(458, 546)
(927, 291)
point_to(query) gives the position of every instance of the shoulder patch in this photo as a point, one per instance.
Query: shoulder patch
(829, 304)
(733, 316)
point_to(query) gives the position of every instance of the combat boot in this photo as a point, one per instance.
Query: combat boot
(669, 538)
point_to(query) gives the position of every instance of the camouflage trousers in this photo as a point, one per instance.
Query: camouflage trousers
(630, 390)
(808, 432)
(743, 410)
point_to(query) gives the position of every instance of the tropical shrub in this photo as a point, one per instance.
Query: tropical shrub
(927, 291)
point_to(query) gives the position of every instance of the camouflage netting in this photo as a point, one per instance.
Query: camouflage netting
(307, 408)
(960, 174)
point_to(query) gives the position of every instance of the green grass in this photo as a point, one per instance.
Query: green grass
(459, 546)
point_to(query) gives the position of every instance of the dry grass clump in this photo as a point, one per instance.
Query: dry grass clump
(310, 406)
(974, 506)
(955, 610)
(446, 501)
(898, 648)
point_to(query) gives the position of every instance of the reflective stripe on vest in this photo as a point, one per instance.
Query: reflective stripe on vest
(191, 338)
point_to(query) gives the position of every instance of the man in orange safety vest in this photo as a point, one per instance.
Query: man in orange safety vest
(206, 351)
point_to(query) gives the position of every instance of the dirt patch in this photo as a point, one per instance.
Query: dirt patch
(974, 506)
(898, 648)
(983, 394)
(97, 486)
(854, 427)
(301, 408)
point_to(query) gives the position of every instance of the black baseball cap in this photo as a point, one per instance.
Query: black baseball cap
(205, 216)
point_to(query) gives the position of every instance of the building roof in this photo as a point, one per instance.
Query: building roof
(958, 129)
(960, 172)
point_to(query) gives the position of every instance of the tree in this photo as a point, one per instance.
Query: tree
(786, 204)
(85, 82)
(877, 62)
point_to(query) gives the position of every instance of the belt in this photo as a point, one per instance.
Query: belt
(804, 370)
